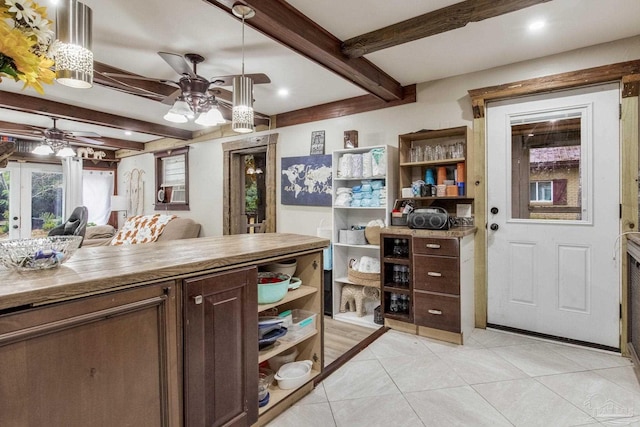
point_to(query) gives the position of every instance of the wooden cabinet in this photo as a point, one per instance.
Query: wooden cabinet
(444, 150)
(440, 285)
(108, 360)
(308, 297)
(353, 213)
(396, 277)
(220, 341)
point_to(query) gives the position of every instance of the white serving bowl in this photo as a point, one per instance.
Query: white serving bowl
(293, 375)
(284, 267)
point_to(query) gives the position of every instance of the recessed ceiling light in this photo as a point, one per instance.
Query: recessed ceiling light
(128, 132)
(283, 92)
(537, 25)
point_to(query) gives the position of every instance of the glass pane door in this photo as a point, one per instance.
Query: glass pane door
(31, 199)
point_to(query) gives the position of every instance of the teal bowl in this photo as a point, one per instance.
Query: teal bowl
(272, 286)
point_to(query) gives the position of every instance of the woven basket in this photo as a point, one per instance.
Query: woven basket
(372, 234)
(364, 279)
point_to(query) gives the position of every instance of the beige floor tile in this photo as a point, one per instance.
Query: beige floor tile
(491, 338)
(393, 344)
(318, 395)
(354, 380)
(526, 403)
(481, 366)
(538, 359)
(604, 400)
(316, 415)
(591, 358)
(460, 406)
(626, 377)
(385, 411)
(417, 373)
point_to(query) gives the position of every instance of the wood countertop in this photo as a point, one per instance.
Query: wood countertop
(95, 270)
(452, 232)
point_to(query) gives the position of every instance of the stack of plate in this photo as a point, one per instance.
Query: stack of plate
(269, 330)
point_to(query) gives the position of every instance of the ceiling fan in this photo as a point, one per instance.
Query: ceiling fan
(56, 139)
(197, 92)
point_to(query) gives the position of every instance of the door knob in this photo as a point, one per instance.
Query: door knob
(14, 227)
(494, 226)
(494, 210)
(15, 218)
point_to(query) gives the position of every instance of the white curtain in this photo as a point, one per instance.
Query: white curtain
(96, 190)
(72, 182)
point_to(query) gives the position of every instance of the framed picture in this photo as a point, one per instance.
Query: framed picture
(317, 142)
(306, 180)
(350, 139)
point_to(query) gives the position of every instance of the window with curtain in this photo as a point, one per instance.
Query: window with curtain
(97, 190)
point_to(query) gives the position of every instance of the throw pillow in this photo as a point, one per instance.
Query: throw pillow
(141, 229)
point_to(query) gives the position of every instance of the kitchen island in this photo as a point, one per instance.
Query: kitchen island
(161, 334)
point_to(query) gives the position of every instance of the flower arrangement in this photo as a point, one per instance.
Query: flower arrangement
(25, 38)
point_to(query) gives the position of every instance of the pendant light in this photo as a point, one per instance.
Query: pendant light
(242, 113)
(72, 51)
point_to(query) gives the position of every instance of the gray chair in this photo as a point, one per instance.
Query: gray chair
(76, 225)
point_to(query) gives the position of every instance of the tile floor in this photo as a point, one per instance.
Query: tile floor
(495, 379)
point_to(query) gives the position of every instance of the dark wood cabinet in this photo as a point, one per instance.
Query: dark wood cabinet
(221, 349)
(107, 360)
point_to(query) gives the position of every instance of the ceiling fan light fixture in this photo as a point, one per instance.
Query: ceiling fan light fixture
(66, 152)
(72, 50)
(43, 149)
(212, 117)
(175, 118)
(181, 107)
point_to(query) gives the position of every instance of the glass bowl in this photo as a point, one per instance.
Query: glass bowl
(39, 253)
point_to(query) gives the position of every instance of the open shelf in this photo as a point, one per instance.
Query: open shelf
(276, 394)
(348, 245)
(293, 295)
(434, 162)
(281, 346)
(353, 318)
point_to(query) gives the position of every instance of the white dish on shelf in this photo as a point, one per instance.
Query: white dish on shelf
(293, 375)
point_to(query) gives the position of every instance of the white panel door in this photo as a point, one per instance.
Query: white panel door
(553, 180)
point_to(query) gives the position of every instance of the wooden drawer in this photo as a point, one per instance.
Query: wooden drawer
(435, 246)
(436, 274)
(436, 311)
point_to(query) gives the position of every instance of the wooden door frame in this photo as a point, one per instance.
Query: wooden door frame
(232, 153)
(628, 75)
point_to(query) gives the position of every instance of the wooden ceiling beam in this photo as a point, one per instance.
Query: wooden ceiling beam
(283, 23)
(30, 104)
(439, 21)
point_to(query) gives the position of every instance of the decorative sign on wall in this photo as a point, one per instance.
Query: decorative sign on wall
(306, 180)
(317, 142)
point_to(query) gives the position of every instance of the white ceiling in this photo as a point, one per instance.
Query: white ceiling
(127, 34)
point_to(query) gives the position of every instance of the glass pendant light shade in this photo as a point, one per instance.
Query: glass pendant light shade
(43, 149)
(175, 118)
(66, 152)
(242, 113)
(73, 56)
(212, 117)
(182, 108)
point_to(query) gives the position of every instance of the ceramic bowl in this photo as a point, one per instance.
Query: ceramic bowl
(39, 253)
(293, 375)
(272, 287)
(285, 267)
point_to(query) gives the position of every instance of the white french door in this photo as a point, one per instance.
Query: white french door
(31, 199)
(553, 194)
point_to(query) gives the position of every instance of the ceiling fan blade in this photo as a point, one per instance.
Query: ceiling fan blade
(130, 77)
(170, 99)
(178, 63)
(77, 134)
(83, 140)
(257, 78)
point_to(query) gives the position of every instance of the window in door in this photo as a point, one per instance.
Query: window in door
(547, 169)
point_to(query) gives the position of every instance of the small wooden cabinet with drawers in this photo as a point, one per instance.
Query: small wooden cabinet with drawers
(441, 284)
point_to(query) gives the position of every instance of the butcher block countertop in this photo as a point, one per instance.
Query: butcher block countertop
(95, 270)
(452, 232)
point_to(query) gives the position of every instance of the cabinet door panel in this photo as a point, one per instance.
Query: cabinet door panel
(436, 274)
(437, 311)
(435, 246)
(221, 349)
(107, 360)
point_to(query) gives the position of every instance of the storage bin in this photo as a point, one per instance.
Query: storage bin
(302, 323)
(352, 237)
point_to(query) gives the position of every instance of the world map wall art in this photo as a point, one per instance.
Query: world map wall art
(306, 180)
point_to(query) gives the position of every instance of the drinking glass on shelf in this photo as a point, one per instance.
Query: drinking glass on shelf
(428, 153)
